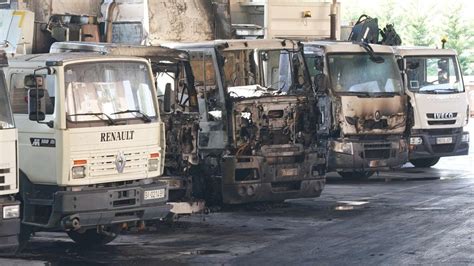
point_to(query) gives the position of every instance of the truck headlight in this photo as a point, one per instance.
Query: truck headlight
(416, 140)
(465, 138)
(343, 147)
(10, 212)
(153, 165)
(78, 172)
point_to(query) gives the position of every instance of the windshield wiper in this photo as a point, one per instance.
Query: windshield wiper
(109, 120)
(142, 116)
(370, 51)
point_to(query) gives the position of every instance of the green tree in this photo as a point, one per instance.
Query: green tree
(459, 37)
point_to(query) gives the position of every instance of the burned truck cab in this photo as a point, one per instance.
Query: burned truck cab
(362, 104)
(258, 127)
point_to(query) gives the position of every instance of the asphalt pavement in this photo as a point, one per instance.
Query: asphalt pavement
(411, 216)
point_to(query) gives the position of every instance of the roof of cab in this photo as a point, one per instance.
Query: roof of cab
(60, 58)
(229, 45)
(344, 47)
(422, 51)
(120, 49)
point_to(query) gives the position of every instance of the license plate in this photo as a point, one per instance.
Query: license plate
(447, 140)
(289, 172)
(154, 194)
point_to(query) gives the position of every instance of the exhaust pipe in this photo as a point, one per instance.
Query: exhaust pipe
(333, 20)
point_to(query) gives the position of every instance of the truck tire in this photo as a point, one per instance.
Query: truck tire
(91, 237)
(426, 162)
(356, 175)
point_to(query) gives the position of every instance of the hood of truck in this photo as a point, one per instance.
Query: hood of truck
(439, 110)
(8, 158)
(113, 153)
(372, 116)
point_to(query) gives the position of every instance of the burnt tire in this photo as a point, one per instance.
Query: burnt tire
(91, 237)
(424, 163)
(356, 175)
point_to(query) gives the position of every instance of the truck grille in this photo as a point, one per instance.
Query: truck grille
(104, 164)
(377, 150)
(441, 122)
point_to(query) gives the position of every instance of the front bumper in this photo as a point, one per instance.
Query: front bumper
(283, 172)
(376, 155)
(429, 147)
(9, 228)
(105, 206)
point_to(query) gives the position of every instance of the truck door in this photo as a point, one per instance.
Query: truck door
(212, 135)
(37, 142)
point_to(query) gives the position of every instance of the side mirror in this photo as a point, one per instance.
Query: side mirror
(319, 63)
(321, 83)
(36, 105)
(31, 81)
(401, 65)
(169, 96)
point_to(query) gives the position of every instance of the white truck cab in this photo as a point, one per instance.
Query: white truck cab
(91, 143)
(10, 208)
(438, 104)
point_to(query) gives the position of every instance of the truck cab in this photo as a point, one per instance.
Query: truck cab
(438, 104)
(362, 105)
(91, 144)
(258, 136)
(9, 206)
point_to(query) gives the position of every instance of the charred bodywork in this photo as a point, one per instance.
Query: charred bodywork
(258, 137)
(364, 106)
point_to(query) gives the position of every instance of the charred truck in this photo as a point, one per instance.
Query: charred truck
(10, 207)
(257, 138)
(91, 144)
(179, 111)
(363, 106)
(438, 104)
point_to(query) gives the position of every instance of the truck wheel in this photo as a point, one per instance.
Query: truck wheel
(91, 237)
(356, 175)
(426, 162)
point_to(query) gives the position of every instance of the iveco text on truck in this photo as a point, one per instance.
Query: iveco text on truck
(438, 104)
(363, 106)
(9, 206)
(258, 127)
(91, 144)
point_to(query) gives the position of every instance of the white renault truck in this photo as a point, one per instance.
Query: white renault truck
(438, 104)
(362, 106)
(10, 207)
(91, 144)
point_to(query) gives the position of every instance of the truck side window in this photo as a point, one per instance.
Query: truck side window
(19, 94)
(206, 85)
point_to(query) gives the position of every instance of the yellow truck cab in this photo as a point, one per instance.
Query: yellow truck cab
(91, 144)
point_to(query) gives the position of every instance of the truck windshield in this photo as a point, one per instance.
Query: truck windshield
(6, 120)
(433, 75)
(254, 73)
(358, 74)
(109, 91)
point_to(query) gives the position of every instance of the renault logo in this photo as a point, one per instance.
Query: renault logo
(377, 116)
(120, 162)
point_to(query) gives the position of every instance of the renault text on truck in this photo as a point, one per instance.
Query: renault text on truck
(258, 127)
(10, 208)
(91, 144)
(438, 104)
(363, 106)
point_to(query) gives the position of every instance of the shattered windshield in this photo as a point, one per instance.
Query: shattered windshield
(109, 91)
(358, 74)
(433, 75)
(6, 120)
(254, 73)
